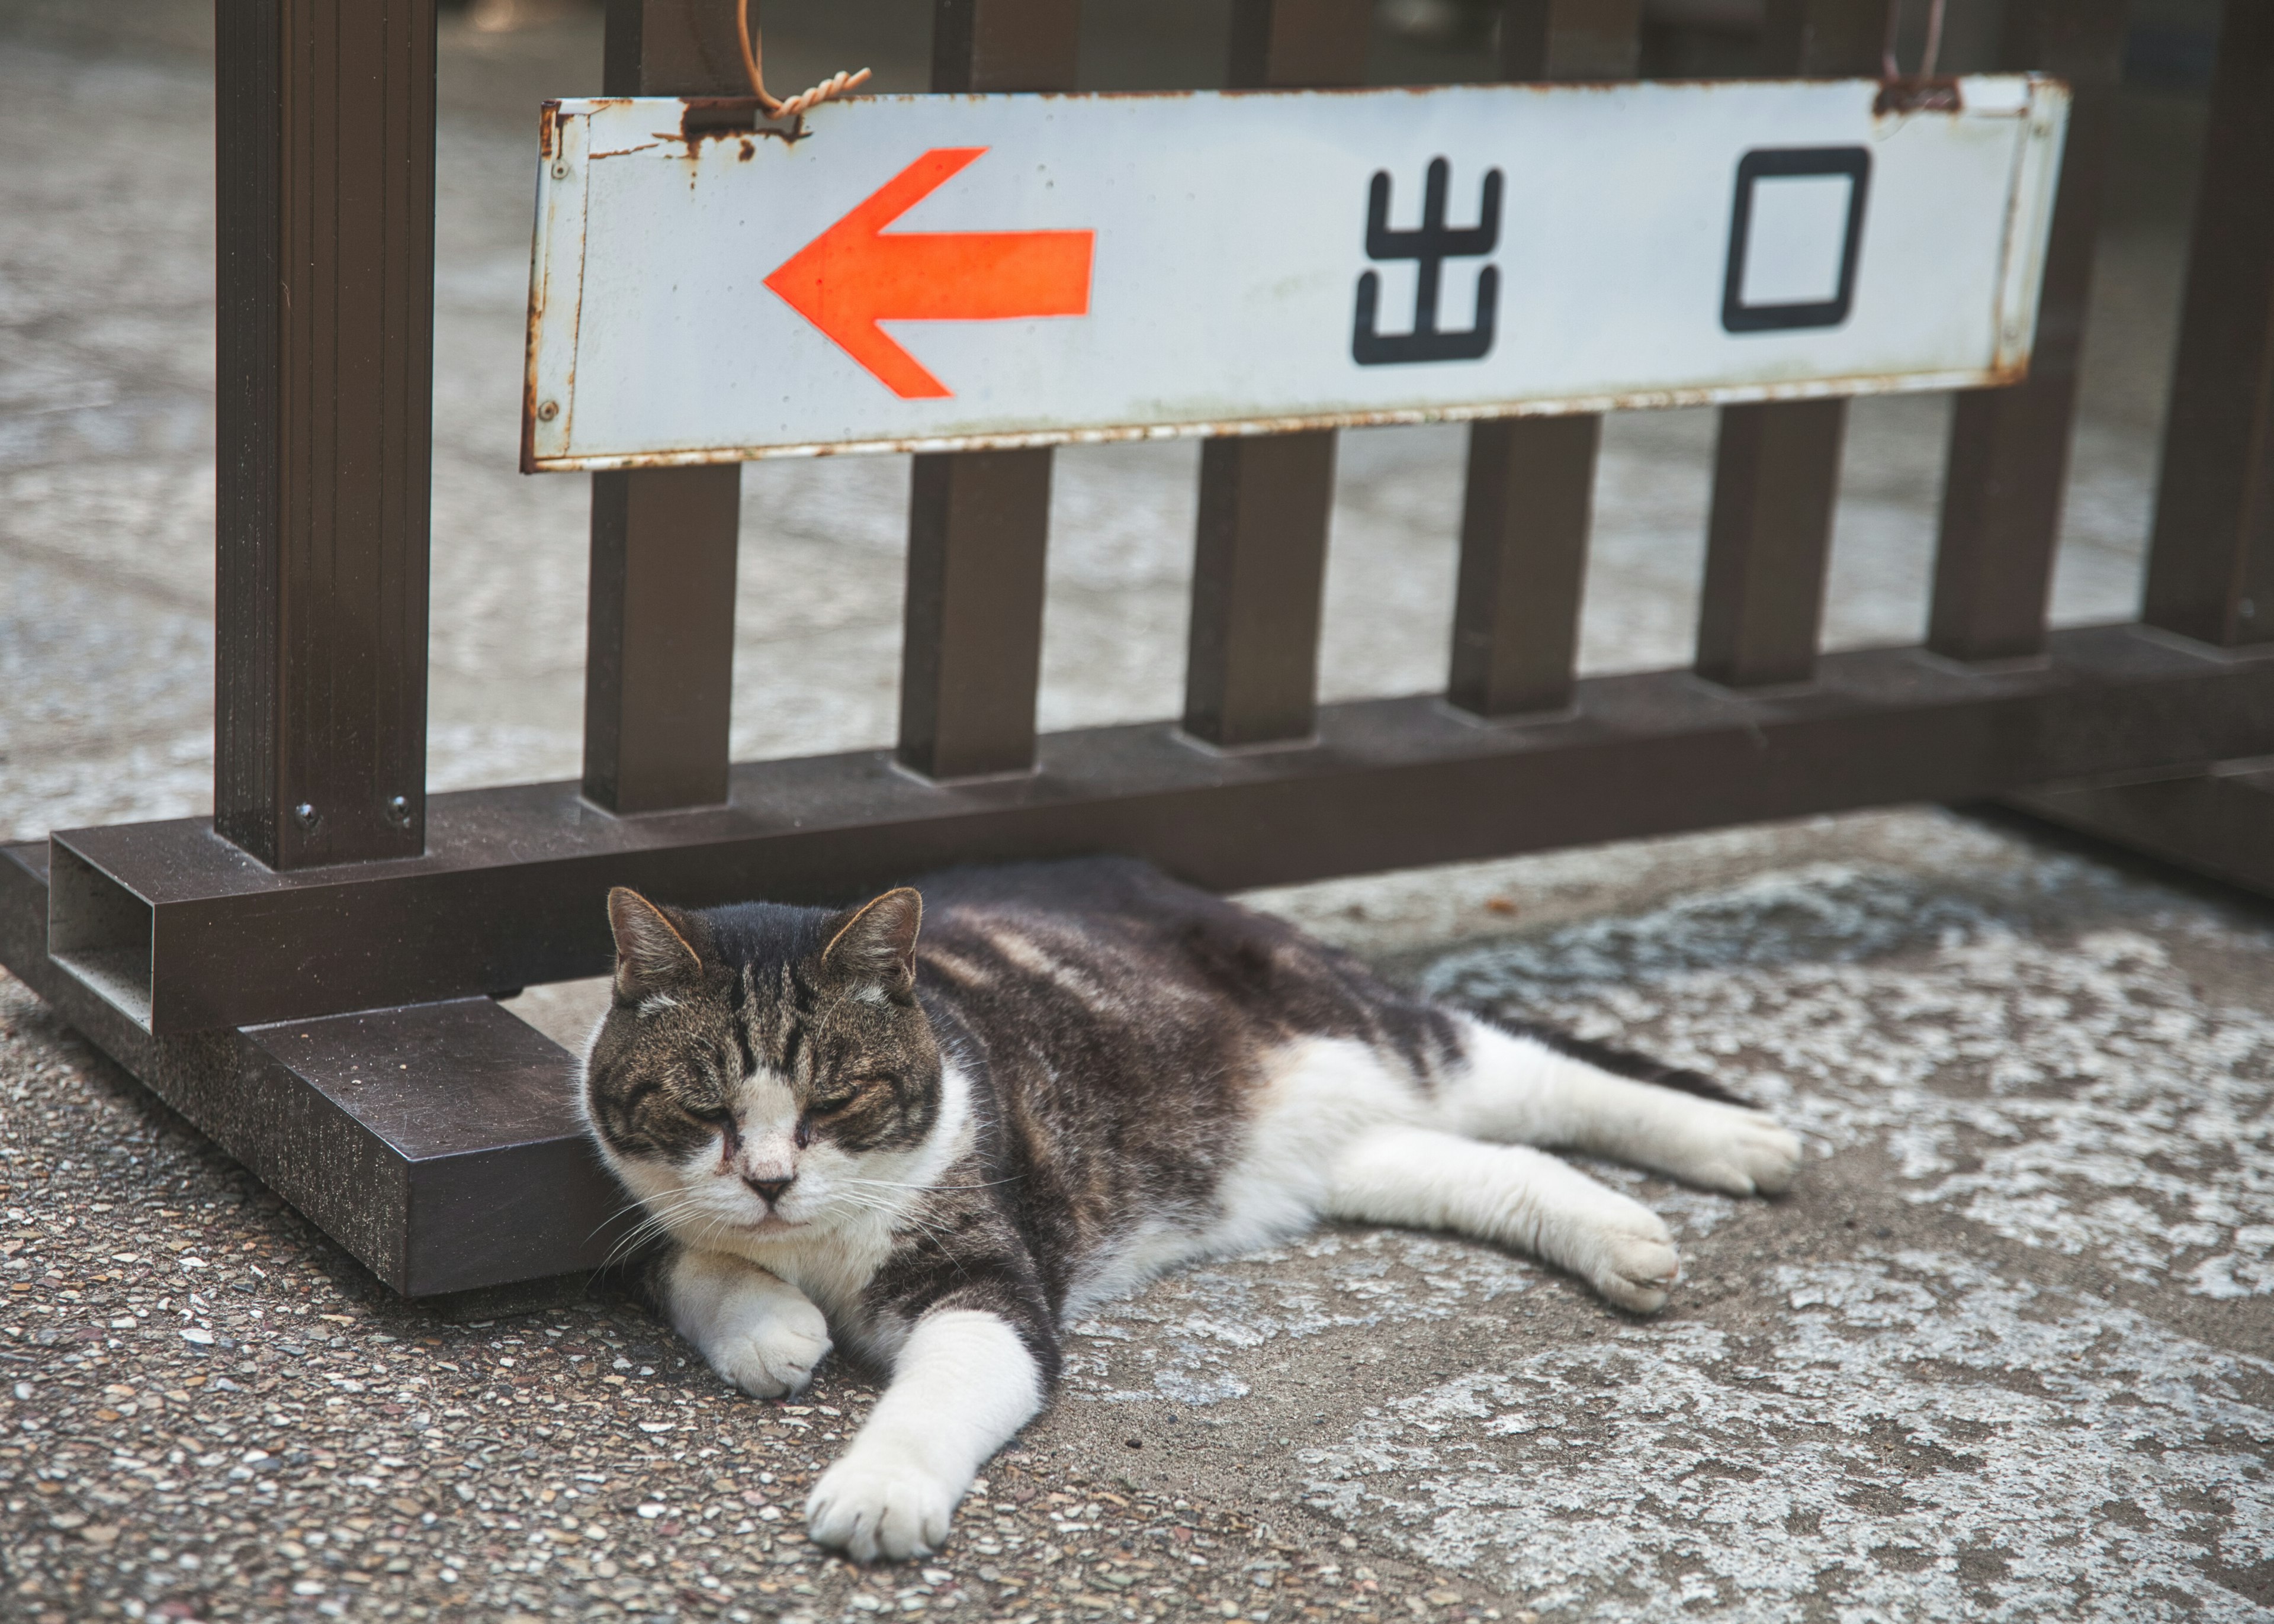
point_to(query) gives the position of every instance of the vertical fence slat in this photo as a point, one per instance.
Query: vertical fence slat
(326, 193)
(659, 625)
(977, 536)
(1530, 490)
(2009, 448)
(1776, 469)
(979, 521)
(660, 640)
(1260, 549)
(2210, 560)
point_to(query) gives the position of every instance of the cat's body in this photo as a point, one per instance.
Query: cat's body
(1084, 1074)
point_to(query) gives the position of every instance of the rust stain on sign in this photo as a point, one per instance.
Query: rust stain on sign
(1918, 95)
(712, 118)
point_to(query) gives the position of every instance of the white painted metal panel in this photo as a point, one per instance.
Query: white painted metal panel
(1655, 244)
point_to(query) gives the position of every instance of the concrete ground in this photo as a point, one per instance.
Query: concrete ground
(2002, 1354)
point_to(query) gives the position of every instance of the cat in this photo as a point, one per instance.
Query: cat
(929, 1129)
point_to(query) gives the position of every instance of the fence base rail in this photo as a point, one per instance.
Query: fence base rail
(333, 1028)
(2217, 821)
(439, 1143)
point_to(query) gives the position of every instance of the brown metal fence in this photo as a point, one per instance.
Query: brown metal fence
(308, 975)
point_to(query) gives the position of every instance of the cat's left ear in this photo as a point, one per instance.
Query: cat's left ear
(653, 952)
(875, 946)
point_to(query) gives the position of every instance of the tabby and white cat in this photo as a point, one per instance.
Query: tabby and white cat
(937, 1149)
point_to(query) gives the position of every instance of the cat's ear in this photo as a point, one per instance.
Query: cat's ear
(653, 947)
(875, 946)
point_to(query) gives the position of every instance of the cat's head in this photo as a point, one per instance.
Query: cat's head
(763, 1071)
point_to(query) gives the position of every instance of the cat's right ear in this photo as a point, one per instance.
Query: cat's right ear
(652, 951)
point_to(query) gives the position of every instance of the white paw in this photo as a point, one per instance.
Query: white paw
(775, 1355)
(881, 1501)
(1742, 1153)
(1630, 1257)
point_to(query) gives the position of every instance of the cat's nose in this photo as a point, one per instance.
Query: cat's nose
(771, 1189)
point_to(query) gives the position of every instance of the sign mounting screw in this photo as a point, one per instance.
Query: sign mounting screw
(547, 410)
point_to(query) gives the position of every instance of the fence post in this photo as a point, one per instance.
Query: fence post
(1530, 501)
(326, 190)
(1776, 469)
(659, 626)
(2210, 562)
(979, 521)
(1260, 554)
(2009, 460)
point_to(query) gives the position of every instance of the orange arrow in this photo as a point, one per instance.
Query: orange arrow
(852, 276)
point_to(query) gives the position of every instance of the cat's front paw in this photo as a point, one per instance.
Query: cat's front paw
(775, 1357)
(1632, 1261)
(1742, 1153)
(881, 1501)
(761, 1335)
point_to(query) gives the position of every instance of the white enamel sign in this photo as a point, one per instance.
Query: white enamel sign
(940, 272)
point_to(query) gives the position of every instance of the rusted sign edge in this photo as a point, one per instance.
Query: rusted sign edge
(1653, 400)
(563, 151)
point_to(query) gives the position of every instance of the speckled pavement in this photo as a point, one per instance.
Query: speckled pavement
(2004, 1354)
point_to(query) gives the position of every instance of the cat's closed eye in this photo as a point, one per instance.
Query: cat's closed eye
(843, 1096)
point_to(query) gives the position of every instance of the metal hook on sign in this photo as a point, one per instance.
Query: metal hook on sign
(835, 85)
(1889, 69)
(1923, 93)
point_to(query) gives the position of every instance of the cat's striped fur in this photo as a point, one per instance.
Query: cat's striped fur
(929, 1129)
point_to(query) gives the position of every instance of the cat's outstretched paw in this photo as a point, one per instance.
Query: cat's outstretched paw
(879, 1502)
(1741, 1151)
(1632, 1261)
(777, 1356)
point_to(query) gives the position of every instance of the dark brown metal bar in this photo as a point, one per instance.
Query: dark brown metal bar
(979, 521)
(659, 638)
(1531, 489)
(2210, 560)
(983, 45)
(660, 650)
(977, 539)
(1259, 553)
(439, 1143)
(1298, 44)
(182, 933)
(1259, 575)
(1776, 469)
(326, 188)
(2220, 822)
(1569, 39)
(1776, 477)
(2009, 462)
